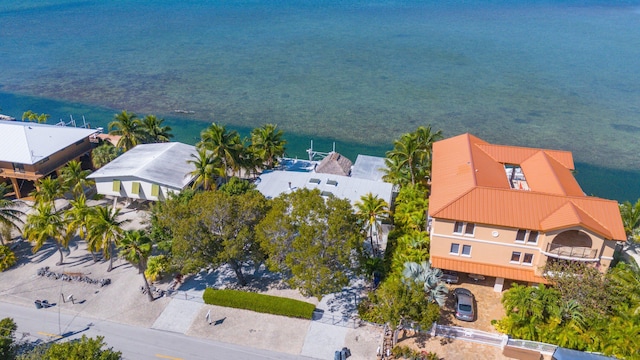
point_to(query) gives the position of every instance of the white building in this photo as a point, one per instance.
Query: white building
(273, 183)
(147, 172)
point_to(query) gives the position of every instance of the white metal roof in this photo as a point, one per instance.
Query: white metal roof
(163, 164)
(368, 167)
(271, 184)
(28, 143)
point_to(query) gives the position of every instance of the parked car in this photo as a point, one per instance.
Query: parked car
(450, 277)
(464, 304)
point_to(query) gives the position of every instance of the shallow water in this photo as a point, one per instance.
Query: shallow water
(555, 74)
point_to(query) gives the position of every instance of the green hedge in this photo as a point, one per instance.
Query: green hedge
(259, 303)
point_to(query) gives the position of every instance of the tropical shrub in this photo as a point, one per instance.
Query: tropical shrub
(156, 266)
(84, 348)
(259, 303)
(396, 303)
(7, 258)
(7, 346)
(405, 352)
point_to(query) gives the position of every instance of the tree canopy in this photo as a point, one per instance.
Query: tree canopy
(314, 241)
(214, 228)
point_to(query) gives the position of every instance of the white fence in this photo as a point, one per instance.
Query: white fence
(482, 337)
(345, 321)
(544, 348)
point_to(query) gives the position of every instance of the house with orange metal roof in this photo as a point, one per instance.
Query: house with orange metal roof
(505, 211)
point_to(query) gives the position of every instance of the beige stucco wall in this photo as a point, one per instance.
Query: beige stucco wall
(489, 244)
(494, 245)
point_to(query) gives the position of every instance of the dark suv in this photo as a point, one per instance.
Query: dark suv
(464, 304)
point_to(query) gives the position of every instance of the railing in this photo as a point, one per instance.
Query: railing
(572, 251)
(544, 348)
(483, 337)
(478, 336)
(344, 321)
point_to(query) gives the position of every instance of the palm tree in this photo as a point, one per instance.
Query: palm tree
(395, 171)
(267, 143)
(129, 128)
(411, 207)
(104, 230)
(428, 278)
(48, 190)
(630, 217)
(77, 219)
(46, 224)
(9, 217)
(223, 144)
(406, 154)
(372, 210)
(426, 137)
(627, 278)
(207, 168)
(34, 117)
(75, 178)
(410, 160)
(135, 247)
(104, 154)
(154, 130)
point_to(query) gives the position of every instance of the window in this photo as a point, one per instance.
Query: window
(314, 181)
(332, 182)
(135, 188)
(469, 229)
(527, 259)
(155, 190)
(466, 250)
(530, 236)
(457, 228)
(455, 249)
(116, 185)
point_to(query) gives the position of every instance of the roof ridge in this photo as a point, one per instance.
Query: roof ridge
(553, 173)
(143, 166)
(592, 217)
(26, 140)
(471, 162)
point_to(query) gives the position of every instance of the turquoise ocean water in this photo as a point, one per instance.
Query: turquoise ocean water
(553, 74)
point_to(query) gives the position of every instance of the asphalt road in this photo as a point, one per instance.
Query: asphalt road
(135, 343)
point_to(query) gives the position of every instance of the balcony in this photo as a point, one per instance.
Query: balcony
(571, 252)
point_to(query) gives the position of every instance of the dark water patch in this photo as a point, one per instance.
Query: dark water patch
(535, 113)
(616, 184)
(30, 9)
(521, 121)
(626, 128)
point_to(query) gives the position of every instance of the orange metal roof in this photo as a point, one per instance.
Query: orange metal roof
(487, 270)
(469, 183)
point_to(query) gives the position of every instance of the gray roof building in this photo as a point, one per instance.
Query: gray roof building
(28, 143)
(271, 184)
(147, 171)
(368, 167)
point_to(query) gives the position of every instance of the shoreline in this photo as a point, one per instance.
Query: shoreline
(601, 181)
